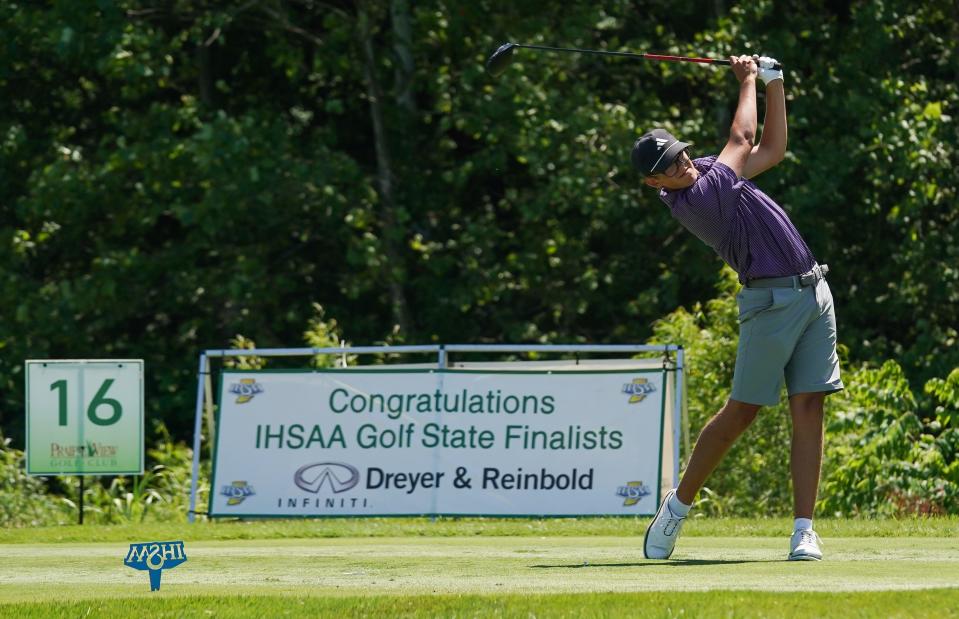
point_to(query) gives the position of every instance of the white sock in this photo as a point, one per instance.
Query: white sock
(678, 507)
(802, 524)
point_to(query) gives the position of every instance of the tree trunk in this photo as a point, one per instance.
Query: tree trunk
(403, 48)
(393, 271)
(204, 75)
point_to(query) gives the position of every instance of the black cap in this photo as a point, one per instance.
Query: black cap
(655, 151)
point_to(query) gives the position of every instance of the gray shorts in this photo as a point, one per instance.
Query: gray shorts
(785, 333)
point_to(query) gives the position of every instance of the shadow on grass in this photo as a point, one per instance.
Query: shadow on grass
(673, 563)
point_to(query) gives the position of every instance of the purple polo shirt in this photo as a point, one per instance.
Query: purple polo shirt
(742, 224)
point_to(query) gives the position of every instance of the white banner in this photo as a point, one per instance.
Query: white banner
(375, 442)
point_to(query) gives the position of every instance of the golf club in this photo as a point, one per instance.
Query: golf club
(503, 56)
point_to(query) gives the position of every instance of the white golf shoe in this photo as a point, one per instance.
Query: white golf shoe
(663, 531)
(804, 546)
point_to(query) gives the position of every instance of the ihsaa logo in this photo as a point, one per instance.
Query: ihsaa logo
(633, 491)
(638, 389)
(236, 492)
(155, 557)
(245, 390)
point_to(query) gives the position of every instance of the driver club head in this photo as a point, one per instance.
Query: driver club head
(500, 60)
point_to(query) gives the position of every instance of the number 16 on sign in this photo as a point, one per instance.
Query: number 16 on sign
(85, 417)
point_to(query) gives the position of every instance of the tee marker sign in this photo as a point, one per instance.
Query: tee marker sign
(84, 417)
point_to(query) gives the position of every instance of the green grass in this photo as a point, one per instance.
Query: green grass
(466, 527)
(477, 567)
(940, 603)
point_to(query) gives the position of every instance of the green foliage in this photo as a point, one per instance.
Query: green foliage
(24, 500)
(246, 362)
(174, 175)
(946, 392)
(160, 495)
(883, 455)
(324, 333)
(882, 458)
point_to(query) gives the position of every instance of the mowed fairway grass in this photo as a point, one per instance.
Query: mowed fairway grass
(485, 567)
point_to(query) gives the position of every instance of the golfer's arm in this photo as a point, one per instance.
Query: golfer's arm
(743, 131)
(772, 146)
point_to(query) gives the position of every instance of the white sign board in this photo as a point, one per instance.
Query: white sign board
(354, 442)
(84, 417)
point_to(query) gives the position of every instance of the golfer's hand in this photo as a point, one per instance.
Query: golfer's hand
(744, 67)
(766, 71)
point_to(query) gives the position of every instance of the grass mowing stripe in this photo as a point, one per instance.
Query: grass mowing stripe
(456, 527)
(942, 603)
(499, 576)
(472, 566)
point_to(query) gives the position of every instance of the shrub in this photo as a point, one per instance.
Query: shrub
(24, 500)
(884, 455)
(887, 458)
(161, 494)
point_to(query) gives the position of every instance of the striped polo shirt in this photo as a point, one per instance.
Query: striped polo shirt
(742, 224)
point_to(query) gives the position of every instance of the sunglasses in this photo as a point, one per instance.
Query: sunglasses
(678, 166)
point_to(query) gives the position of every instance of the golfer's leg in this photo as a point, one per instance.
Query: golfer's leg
(714, 441)
(806, 456)
(758, 377)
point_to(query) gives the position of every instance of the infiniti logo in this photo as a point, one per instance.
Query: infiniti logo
(340, 477)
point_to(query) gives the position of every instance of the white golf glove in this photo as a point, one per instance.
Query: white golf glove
(766, 71)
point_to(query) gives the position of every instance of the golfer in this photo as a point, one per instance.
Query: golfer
(786, 316)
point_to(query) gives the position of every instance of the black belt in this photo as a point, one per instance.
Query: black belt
(809, 278)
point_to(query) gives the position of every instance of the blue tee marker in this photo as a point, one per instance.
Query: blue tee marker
(155, 557)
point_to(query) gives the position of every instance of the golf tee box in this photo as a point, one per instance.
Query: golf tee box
(84, 417)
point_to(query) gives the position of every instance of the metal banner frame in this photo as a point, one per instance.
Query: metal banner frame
(442, 352)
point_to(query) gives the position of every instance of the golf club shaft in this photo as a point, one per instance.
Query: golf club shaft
(631, 55)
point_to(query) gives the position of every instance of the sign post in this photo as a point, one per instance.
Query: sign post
(84, 417)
